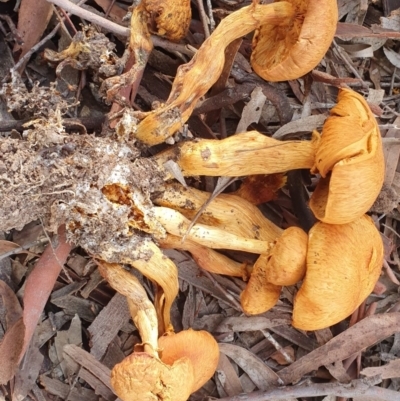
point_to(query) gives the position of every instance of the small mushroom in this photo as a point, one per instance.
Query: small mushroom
(188, 359)
(350, 160)
(290, 48)
(343, 265)
(260, 188)
(284, 265)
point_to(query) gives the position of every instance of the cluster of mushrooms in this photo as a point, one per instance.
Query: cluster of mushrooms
(338, 261)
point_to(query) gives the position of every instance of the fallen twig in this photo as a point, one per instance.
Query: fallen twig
(357, 388)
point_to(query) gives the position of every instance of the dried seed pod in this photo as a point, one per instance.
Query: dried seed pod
(343, 265)
(294, 46)
(350, 161)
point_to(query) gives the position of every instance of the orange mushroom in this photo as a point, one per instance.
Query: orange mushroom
(291, 48)
(191, 83)
(188, 359)
(284, 265)
(348, 156)
(343, 265)
(350, 160)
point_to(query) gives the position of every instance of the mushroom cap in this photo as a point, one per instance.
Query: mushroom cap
(199, 347)
(143, 377)
(350, 160)
(284, 265)
(287, 261)
(171, 18)
(294, 47)
(343, 264)
(259, 295)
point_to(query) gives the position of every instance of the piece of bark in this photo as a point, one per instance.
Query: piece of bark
(72, 305)
(97, 385)
(61, 390)
(26, 376)
(362, 335)
(107, 324)
(90, 363)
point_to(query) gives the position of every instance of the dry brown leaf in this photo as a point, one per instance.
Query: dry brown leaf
(356, 338)
(40, 283)
(262, 376)
(6, 246)
(33, 18)
(25, 378)
(11, 344)
(228, 377)
(252, 111)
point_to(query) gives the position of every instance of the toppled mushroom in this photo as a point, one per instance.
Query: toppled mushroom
(350, 161)
(291, 48)
(343, 265)
(188, 359)
(348, 156)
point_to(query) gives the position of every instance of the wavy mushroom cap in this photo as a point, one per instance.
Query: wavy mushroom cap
(199, 347)
(143, 377)
(343, 265)
(169, 18)
(295, 46)
(350, 160)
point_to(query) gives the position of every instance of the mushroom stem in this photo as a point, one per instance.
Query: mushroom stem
(207, 258)
(241, 154)
(192, 82)
(162, 271)
(227, 212)
(215, 238)
(142, 310)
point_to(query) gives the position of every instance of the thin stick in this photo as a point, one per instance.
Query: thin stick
(89, 16)
(356, 388)
(203, 17)
(277, 346)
